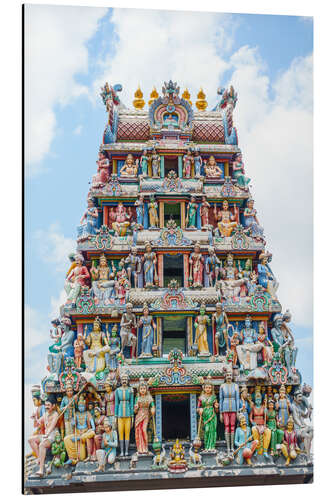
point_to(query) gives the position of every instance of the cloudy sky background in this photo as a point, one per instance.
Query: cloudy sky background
(72, 51)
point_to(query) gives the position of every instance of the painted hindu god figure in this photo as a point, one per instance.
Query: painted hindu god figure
(128, 325)
(229, 406)
(187, 162)
(133, 266)
(77, 278)
(94, 356)
(191, 215)
(204, 213)
(251, 221)
(265, 276)
(103, 170)
(196, 262)
(80, 444)
(144, 163)
(122, 284)
(120, 219)
(260, 431)
(245, 403)
(207, 409)
(144, 408)
(130, 167)
(155, 164)
(140, 209)
(229, 286)
(103, 282)
(148, 333)
(149, 260)
(248, 349)
(239, 172)
(220, 326)
(152, 213)
(289, 447)
(108, 402)
(243, 437)
(111, 357)
(272, 424)
(212, 169)
(213, 264)
(107, 452)
(89, 221)
(201, 336)
(301, 416)
(226, 221)
(124, 413)
(197, 164)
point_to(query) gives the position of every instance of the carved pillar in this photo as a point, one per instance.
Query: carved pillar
(159, 335)
(105, 215)
(182, 214)
(193, 413)
(158, 415)
(189, 334)
(180, 166)
(161, 207)
(114, 166)
(160, 270)
(186, 269)
(162, 167)
(226, 169)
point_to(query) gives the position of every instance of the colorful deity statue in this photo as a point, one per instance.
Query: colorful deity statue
(128, 326)
(265, 276)
(213, 264)
(120, 219)
(108, 401)
(77, 278)
(99, 429)
(107, 452)
(155, 164)
(245, 273)
(188, 162)
(267, 349)
(149, 260)
(68, 407)
(191, 215)
(111, 357)
(103, 282)
(283, 340)
(80, 444)
(221, 324)
(140, 210)
(144, 408)
(148, 333)
(226, 221)
(235, 340)
(79, 346)
(177, 462)
(201, 337)
(56, 335)
(144, 163)
(229, 287)
(122, 284)
(243, 437)
(130, 167)
(94, 356)
(204, 213)
(39, 407)
(133, 266)
(251, 220)
(212, 170)
(103, 170)
(196, 262)
(124, 412)
(58, 452)
(47, 425)
(260, 431)
(207, 408)
(272, 424)
(239, 172)
(300, 413)
(89, 221)
(248, 350)
(251, 284)
(152, 213)
(229, 406)
(289, 447)
(197, 164)
(64, 350)
(245, 403)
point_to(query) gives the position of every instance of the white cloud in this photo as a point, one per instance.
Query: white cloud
(55, 52)
(78, 130)
(54, 247)
(56, 303)
(37, 340)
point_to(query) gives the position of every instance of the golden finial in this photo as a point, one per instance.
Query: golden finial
(153, 96)
(138, 102)
(201, 103)
(186, 95)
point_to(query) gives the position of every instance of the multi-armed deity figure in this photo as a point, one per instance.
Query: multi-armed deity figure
(260, 431)
(130, 167)
(124, 412)
(97, 348)
(212, 170)
(229, 287)
(196, 262)
(103, 281)
(248, 350)
(207, 408)
(120, 219)
(144, 408)
(201, 336)
(226, 221)
(229, 406)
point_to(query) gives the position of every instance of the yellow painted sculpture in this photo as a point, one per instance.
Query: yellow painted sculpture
(186, 95)
(138, 102)
(201, 103)
(153, 96)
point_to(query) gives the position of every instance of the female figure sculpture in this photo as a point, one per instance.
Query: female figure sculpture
(107, 454)
(152, 212)
(122, 282)
(89, 221)
(265, 276)
(239, 172)
(251, 220)
(289, 447)
(221, 324)
(155, 164)
(207, 409)
(143, 407)
(226, 221)
(103, 281)
(276, 434)
(103, 166)
(149, 327)
(197, 164)
(204, 213)
(188, 161)
(149, 266)
(212, 169)
(130, 168)
(139, 208)
(196, 262)
(144, 163)
(76, 279)
(200, 324)
(108, 402)
(191, 214)
(94, 356)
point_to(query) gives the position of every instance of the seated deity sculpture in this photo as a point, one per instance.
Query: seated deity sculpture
(212, 169)
(239, 172)
(76, 279)
(251, 220)
(226, 221)
(94, 356)
(103, 282)
(248, 350)
(229, 286)
(120, 219)
(64, 348)
(89, 221)
(130, 167)
(301, 415)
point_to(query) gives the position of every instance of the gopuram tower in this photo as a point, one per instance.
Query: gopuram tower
(172, 356)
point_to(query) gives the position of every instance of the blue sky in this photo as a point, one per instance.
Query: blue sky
(73, 50)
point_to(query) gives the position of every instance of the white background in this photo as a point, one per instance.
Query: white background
(10, 263)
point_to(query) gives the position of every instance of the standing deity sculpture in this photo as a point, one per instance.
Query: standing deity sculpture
(260, 431)
(212, 170)
(120, 219)
(140, 210)
(122, 284)
(267, 349)
(197, 164)
(124, 413)
(300, 413)
(201, 336)
(229, 406)
(226, 221)
(238, 171)
(265, 276)
(243, 437)
(128, 326)
(152, 213)
(148, 333)
(68, 405)
(188, 162)
(107, 452)
(103, 171)
(283, 341)
(111, 357)
(213, 264)
(149, 260)
(191, 215)
(144, 163)
(40, 408)
(155, 164)
(77, 278)
(289, 447)
(99, 429)
(94, 355)
(89, 221)
(80, 444)
(207, 408)
(108, 401)
(79, 346)
(272, 424)
(103, 282)
(221, 324)
(235, 340)
(133, 266)
(130, 167)
(196, 262)
(245, 403)
(144, 408)
(251, 221)
(204, 213)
